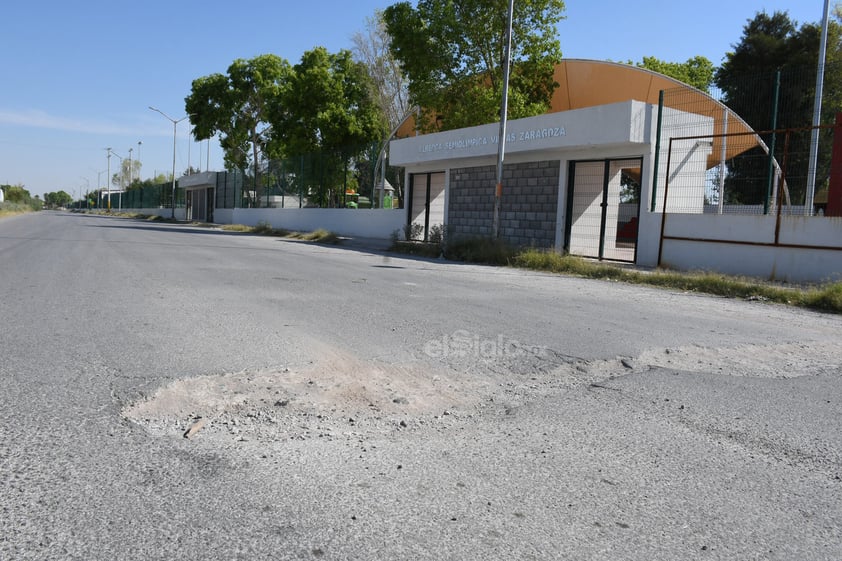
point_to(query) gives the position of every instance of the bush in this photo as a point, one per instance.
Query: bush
(9, 208)
(437, 233)
(413, 231)
(480, 250)
(263, 227)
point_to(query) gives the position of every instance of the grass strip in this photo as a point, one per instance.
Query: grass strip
(825, 298)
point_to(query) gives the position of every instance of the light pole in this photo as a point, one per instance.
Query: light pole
(108, 177)
(122, 176)
(130, 166)
(98, 187)
(139, 163)
(174, 128)
(501, 138)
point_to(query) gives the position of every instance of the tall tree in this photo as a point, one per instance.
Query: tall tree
(57, 199)
(390, 88)
(747, 78)
(16, 194)
(238, 106)
(697, 71)
(452, 53)
(328, 110)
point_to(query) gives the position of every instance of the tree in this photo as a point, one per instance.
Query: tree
(329, 114)
(16, 194)
(697, 71)
(389, 87)
(57, 199)
(747, 78)
(452, 53)
(130, 169)
(390, 90)
(238, 106)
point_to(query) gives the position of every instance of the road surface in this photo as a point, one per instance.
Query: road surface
(342, 403)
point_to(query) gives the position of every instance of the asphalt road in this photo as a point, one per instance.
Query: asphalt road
(356, 405)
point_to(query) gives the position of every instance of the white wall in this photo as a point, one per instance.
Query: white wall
(223, 215)
(688, 162)
(162, 212)
(626, 123)
(776, 262)
(364, 223)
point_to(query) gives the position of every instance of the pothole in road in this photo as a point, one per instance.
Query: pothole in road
(782, 360)
(343, 396)
(337, 395)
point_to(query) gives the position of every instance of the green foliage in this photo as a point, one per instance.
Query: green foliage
(265, 108)
(328, 108)
(16, 194)
(437, 232)
(697, 71)
(241, 107)
(827, 298)
(451, 52)
(263, 228)
(412, 231)
(480, 250)
(747, 78)
(20, 197)
(60, 198)
(319, 236)
(389, 87)
(10, 209)
(420, 249)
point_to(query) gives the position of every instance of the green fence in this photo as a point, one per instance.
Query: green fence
(324, 179)
(758, 142)
(147, 196)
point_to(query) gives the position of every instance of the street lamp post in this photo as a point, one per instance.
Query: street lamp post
(174, 128)
(130, 166)
(98, 187)
(122, 176)
(108, 177)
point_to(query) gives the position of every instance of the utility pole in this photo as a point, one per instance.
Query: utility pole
(501, 141)
(817, 116)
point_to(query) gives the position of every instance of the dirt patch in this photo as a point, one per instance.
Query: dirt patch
(342, 396)
(300, 401)
(785, 360)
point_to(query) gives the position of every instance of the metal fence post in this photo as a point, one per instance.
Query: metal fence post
(657, 150)
(771, 167)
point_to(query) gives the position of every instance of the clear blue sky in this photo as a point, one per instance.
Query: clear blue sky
(79, 76)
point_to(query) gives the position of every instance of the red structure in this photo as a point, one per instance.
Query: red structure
(834, 189)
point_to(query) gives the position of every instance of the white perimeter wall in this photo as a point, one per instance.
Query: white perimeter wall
(363, 223)
(162, 212)
(791, 264)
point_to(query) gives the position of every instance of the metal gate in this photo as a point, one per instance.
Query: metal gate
(603, 206)
(426, 200)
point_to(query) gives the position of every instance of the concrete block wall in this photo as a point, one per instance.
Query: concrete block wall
(529, 204)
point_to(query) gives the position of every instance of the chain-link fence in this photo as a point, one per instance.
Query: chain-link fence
(342, 178)
(148, 196)
(748, 148)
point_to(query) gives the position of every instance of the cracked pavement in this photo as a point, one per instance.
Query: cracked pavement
(359, 405)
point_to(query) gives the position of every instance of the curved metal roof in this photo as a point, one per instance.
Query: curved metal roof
(587, 83)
